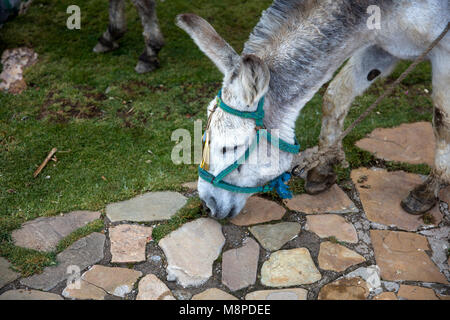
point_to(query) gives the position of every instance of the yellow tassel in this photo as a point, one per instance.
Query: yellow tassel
(205, 159)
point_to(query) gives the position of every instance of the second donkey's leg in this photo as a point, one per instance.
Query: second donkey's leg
(153, 37)
(354, 78)
(116, 28)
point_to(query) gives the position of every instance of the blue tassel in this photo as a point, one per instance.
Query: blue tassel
(281, 187)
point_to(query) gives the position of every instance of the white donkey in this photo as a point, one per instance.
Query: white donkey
(294, 49)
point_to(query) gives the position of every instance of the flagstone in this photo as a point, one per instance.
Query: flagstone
(334, 200)
(113, 280)
(258, 210)
(345, 289)
(6, 274)
(281, 294)
(191, 250)
(151, 206)
(22, 294)
(128, 242)
(401, 256)
(444, 195)
(151, 288)
(239, 266)
(287, 268)
(44, 234)
(381, 192)
(214, 294)
(411, 143)
(273, 236)
(336, 257)
(84, 291)
(82, 253)
(331, 225)
(438, 240)
(385, 296)
(416, 293)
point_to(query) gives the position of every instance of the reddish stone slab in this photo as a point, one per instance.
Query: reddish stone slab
(444, 195)
(401, 256)
(411, 143)
(331, 225)
(381, 192)
(333, 200)
(416, 293)
(258, 210)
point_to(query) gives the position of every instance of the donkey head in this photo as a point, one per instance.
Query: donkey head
(246, 81)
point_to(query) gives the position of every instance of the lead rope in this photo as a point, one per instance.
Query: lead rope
(312, 160)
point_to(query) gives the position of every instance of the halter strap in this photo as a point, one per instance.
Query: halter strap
(279, 183)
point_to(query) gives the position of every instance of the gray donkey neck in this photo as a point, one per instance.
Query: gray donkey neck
(303, 42)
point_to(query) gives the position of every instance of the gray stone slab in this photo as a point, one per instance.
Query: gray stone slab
(44, 234)
(273, 236)
(83, 253)
(22, 294)
(6, 274)
(152, 206)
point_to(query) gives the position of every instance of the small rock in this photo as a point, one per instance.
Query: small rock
(181, 294)
(44, 234)
(22, 294)
(370, 274)
(258, 210)
(151, 206)
(391, 286)
(345, 289)
(287, 268)
(191, 186)
(338, 258)
(386, 296)
(6, 274)
(128, 242)
(239, 266)
(273, 236)
(382, 201)
(82, 253)
(411, 143)
(401, 256)
(191, 251)
(333, 200)
(14, 62)
(151, 288)
(416, 293)
(282, 294)
(214, 294)
(331, 225)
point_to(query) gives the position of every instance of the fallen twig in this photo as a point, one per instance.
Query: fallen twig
(44, 163)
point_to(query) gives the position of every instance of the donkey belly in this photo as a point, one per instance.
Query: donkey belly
(410, 27)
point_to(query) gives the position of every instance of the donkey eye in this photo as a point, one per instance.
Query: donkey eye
(235, 149)
(239, 168)
(224, 150)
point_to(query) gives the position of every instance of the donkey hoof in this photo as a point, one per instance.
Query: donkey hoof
(143, 67)
(320, 179)
(417, 205)
(101, 48)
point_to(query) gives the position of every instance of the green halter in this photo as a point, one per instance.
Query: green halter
(279, 183)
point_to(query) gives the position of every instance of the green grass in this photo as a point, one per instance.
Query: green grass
(116, 145)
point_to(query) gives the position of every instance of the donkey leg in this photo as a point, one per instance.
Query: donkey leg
(354, 78)
(116, 28)
(424, 197)
(154, 40)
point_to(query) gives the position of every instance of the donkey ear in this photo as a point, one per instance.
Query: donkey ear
(254, 76)
(209, 41)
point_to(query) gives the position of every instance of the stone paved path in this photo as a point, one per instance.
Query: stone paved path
(356, 244)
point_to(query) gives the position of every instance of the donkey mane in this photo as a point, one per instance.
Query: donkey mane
(294, 37)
